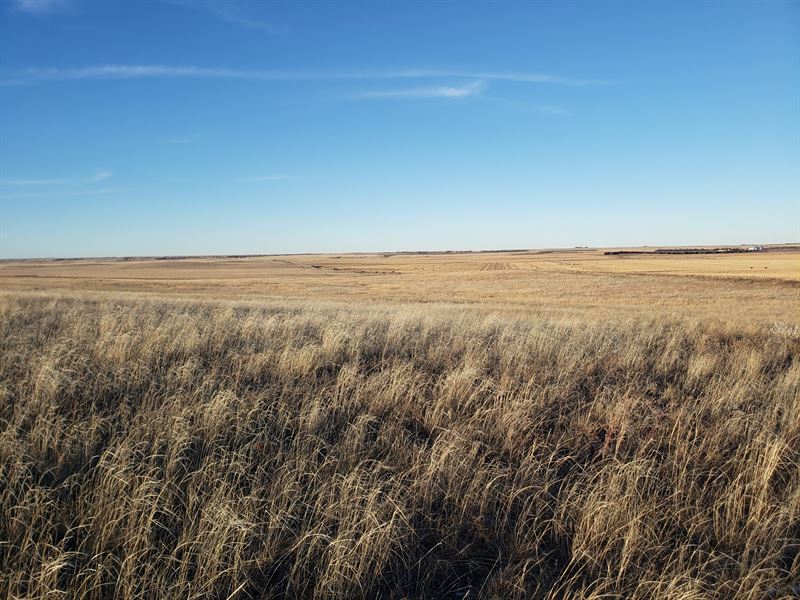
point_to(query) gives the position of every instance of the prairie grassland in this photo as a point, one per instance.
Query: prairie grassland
(174, 448)
(580, 284)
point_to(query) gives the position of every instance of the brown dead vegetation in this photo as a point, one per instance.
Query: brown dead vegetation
(304, 449)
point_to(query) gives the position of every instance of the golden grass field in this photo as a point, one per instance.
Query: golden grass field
(554, 425)
(762, 287)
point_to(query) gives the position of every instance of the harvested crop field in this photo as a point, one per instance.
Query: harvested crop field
(739, 288)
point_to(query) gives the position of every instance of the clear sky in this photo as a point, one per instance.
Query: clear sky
(145, 127)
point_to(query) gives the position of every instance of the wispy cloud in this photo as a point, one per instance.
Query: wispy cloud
(538, 78)
(40, 7)
(102, 72)
(96, 177)
(228, 11)
(444, 91)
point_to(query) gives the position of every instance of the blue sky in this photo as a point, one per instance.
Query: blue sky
(226, 126)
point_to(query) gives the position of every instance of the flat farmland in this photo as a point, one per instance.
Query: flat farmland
(580, 283)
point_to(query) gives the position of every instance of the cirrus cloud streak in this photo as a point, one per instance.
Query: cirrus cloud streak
(105, 72)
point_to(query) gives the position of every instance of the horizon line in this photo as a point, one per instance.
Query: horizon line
(392, 252)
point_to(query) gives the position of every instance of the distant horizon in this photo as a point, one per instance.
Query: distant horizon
(356, 252)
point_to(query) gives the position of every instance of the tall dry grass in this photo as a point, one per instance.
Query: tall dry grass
(164, 449)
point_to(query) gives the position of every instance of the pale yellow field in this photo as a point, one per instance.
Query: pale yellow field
(755, 287)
